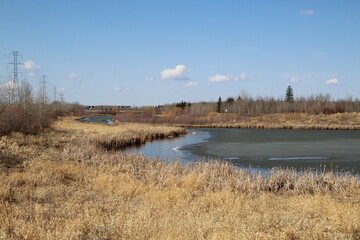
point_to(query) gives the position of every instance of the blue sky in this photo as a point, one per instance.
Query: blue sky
(157, 52)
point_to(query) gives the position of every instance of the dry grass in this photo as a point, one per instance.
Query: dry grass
(119, 137)
(339, 121)
(72, 188)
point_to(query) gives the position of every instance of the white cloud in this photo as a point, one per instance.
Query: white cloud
(219, 78)
(308, 12)
(9, 85)
(149, 79)
(226, 78)
(190, 84)
(333, 81)
(178, 73)
(31, 66)
(32, 74)
(73, 75)
(121, 89)
(61, 89)
(295, 80)
(243, 76)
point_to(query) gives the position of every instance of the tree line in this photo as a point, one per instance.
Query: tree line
(247, 105)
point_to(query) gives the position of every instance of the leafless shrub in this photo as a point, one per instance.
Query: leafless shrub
(27, 115)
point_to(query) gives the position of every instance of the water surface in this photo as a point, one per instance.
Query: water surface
(258, 148)
(173, 149)
(107, 119)
(263, 149)
(282, 148)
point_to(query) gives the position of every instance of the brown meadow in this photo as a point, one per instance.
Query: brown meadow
(69, 182)
(338, 121)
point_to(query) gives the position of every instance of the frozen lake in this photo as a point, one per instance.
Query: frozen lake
(261, 148)
(258, 148)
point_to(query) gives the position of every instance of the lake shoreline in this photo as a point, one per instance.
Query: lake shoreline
(300, 155)
(245, 126)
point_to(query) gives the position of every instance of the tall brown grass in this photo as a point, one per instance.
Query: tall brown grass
(339, 121)
(120, 137)
(66, 186)
(344, 121)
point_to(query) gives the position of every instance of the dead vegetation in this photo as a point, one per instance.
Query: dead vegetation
(70, 187)
(339, 121)
(179, 117)
(21, 112)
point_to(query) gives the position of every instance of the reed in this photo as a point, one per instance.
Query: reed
(339, 121)
(121, 136)
(67, 186)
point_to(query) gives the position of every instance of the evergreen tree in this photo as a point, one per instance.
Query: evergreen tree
(218, 106)
(289, 96)
(230, 100)
(181, 104)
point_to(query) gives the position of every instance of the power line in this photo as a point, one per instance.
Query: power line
(62, 97)
(43, 82)
(14, 85)
(15, 76)
(54, 94)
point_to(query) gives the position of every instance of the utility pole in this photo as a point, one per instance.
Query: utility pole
(43, 83)
(15, 77)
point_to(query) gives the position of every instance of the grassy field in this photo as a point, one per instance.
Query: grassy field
(343, 121)
(69, 182)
